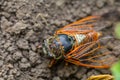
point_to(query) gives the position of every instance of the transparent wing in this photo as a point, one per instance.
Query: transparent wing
(89, 55)
(80, 26)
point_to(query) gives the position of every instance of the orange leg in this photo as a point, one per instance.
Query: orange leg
(51, 63)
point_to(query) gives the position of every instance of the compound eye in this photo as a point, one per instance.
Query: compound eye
(69, 38)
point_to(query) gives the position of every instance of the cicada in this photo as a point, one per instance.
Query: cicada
(77, 43)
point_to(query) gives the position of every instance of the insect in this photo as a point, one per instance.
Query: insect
(77, 43)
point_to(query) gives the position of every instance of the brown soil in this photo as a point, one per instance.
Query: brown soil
(24, 24)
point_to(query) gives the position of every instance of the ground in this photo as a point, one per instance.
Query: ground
(24, 24)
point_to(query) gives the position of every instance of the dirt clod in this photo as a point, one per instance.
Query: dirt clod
(23, 44)
(56, 78)
(17, 55)
(17, 28)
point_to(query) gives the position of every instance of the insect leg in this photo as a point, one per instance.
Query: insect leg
(51, 63)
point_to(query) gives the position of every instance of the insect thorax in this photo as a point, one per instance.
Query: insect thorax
(80, 38)
(61, 44)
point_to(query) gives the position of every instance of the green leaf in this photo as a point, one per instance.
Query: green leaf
(117, 30)
(116, 70)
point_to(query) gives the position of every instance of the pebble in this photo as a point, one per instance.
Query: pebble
(33, 57)
(67, 71)
(56, 78)
(24, 60)
(23, 44)
(33, 47)
(24, 65)
(5, 24)
(7, 44)
(80, 72)
(2, 79)
(17, 55)
(87, 10)
(17, 28)
(1, 63)
(100, 3)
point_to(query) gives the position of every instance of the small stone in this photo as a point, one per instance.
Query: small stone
(67, 71)
(33, 56)
(29, 34)
(80, 72)
(7, 15)
(17, 55)
(41, 79)
(8, 58)
(82, 14)
(33, 47)
(12, 71)
(1, 78)
(5, 24)
(56, 78)
(11, 48)
(10, 66)
(59, 2)
(17, 28)
(10, 77)
(23, 44)
(93, 72)
(100, 3)
(24, 65)
(84, 77)
(111, 2)
(86, 10)
(1, 63)
(24, 60)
